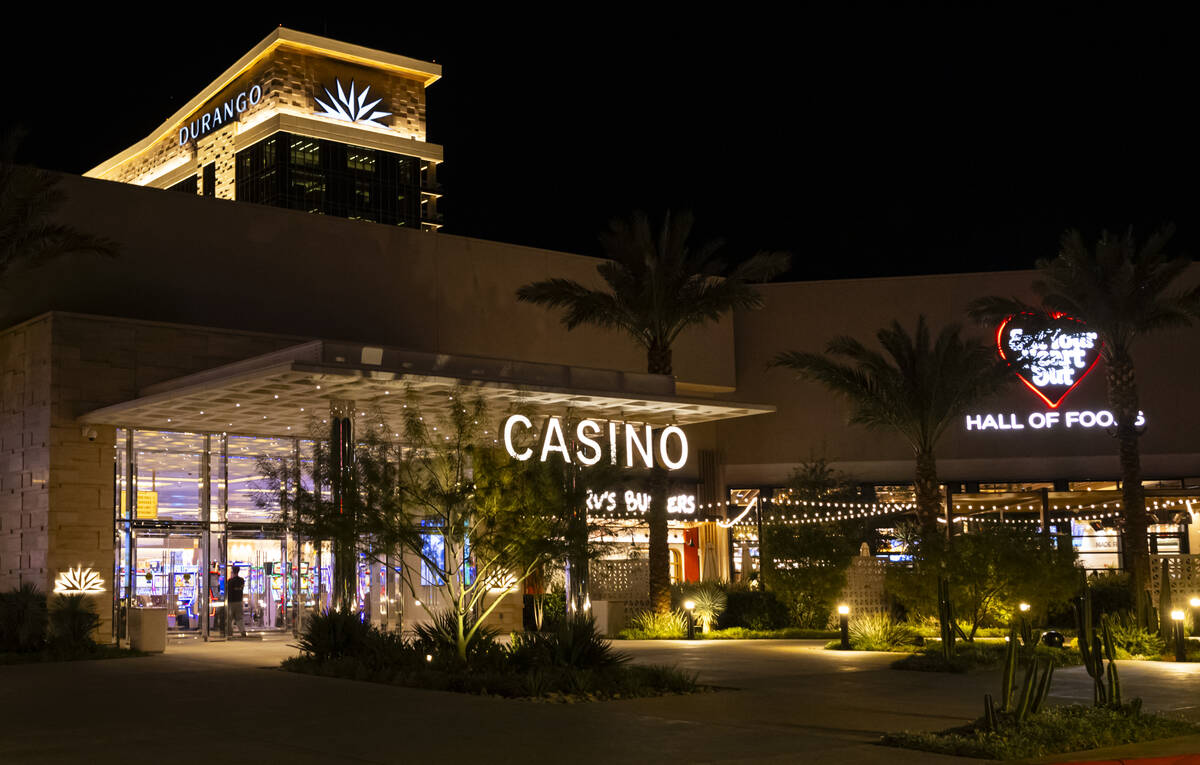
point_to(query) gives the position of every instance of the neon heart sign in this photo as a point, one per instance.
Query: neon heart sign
(1051, 354)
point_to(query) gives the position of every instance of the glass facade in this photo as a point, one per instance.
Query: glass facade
(331, 178)
(191, 508)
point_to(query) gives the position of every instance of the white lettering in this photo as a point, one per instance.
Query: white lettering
(668, 463)
(632, 443)
(183, 134)
(240, 102)
(553, 440)
(1083, 418)
(640, 445)
(256, 96)
(205, 121)
(516, 419)
(588, 441)
(229, 109)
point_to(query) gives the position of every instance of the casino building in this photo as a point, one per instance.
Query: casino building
(140, 391)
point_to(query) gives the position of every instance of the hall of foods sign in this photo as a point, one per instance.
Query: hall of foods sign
(1051, 354)
(623, 443)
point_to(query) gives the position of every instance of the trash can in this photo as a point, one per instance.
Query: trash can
(148, 629)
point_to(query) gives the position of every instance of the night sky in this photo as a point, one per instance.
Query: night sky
(866, 145)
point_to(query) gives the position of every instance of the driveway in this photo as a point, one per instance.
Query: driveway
(786, 701)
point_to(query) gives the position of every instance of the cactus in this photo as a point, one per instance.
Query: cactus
(989, 713)
(1164, 602)
(946, 619)
(1094, 649)
(1034, 689)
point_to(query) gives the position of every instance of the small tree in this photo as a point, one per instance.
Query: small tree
(990, 570)
(805, 564)
(476, 522)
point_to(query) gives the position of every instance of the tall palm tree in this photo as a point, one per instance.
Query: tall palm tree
(1122, 291)
(916, 387)
(658, 284)
(28, 199)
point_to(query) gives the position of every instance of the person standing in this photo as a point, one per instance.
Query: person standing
(233, 591)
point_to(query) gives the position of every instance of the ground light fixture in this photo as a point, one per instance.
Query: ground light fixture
(1024, 608)
(689, 606)
(844, 623)
(1177, 620)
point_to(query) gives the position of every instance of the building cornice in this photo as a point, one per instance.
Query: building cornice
(423, 71)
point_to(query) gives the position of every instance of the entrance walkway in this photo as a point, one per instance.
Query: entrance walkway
(220, 702)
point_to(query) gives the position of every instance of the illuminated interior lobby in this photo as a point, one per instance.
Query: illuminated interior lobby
(141, 391)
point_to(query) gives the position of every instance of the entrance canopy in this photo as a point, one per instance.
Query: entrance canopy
(286, 392)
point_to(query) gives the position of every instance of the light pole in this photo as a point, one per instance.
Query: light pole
(1195, 604)
(689, 606)
(1177, 621)
(844, 622)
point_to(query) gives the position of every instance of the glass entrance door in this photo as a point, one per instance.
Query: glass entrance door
(168, 573)
(260, 562)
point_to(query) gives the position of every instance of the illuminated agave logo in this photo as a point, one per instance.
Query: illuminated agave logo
(352, 107)
(78, 581)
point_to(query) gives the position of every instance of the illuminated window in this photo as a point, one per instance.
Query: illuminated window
(433, 548)
(676, 567)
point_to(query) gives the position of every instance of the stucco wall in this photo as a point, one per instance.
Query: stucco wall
(212, 262)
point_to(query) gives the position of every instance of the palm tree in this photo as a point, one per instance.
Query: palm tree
(1122, 291)
(916, 387)
(657, 286)
(28, 198)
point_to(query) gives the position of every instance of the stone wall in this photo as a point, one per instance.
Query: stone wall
(56, 488)
(24, 453)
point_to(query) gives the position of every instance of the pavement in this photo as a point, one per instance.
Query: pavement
(780, 701)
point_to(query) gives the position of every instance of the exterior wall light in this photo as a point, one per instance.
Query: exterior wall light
(1024, 607)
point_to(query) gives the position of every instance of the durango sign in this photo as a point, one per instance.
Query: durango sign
(624, 443)
(220, 114)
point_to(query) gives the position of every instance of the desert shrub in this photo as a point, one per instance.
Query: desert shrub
(990, 570)
(1133, 640)
(439, 638)
(651, 625)
(574, 643)
(72, 620)
(979, 656)
(23, 619)
(710, 600)
(554, 609)
(878, 632)
(787, 633)
(1111, 592)
(1053, 730)
(754, 610)
(807, 568)
(334, 635)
